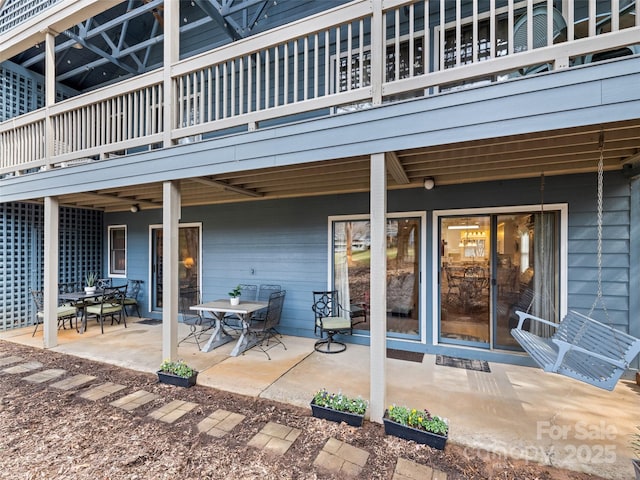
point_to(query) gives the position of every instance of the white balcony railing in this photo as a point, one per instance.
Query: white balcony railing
(323, 64)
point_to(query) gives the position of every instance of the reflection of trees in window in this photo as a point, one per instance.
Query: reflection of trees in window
(356, 82)
(405, 61)
(365, 58)
(466, 43)
(352, 263)
(405, 242)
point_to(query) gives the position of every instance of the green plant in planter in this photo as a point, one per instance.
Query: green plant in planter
(91, 278)
(340, 402)
(419, 419)
(236, 292)
(178, 368)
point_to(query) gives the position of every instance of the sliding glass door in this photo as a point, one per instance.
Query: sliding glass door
(189, 265)
(465, 244)
(492, 265)
(351, 271)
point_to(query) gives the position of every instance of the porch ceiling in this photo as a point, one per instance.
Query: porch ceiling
(568, 151)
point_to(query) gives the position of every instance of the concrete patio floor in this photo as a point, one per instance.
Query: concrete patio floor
(513, 411)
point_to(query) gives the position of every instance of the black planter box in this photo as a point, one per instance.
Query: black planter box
(171, 379)
(409, 433)
(325, 413)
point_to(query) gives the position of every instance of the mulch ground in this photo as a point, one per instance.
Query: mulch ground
(46, 433)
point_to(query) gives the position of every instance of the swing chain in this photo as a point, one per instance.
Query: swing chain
(600, 202)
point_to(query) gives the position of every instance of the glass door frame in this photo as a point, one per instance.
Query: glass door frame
(152, 287)
(563, 210)
(422, 265)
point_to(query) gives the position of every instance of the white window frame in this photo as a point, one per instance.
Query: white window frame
(422, 307)
(118, 274)
(563, 208)
(159, 226)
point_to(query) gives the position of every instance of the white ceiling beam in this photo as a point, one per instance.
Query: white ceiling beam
(395, 168)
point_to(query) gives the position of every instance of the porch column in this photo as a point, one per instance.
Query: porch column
(50, 280)
(170, 219)
(634, 261)
(49, 94)
(171, 55)
(377, 45)
(378, 288)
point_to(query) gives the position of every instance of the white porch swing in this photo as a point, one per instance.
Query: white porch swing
(581, 347)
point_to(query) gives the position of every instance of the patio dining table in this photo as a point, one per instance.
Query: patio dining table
(79, 298)
(218, 309)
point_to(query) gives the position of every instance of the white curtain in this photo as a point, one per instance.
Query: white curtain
(544, 279)
(342, 278)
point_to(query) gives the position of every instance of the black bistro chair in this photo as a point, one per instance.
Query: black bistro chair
(265, 329)
(64, 312)
(197, 323)
(331, 319)
(111, 305)
(131, 296)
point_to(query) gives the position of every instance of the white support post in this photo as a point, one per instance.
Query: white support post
(171, 55)
(50, 280)
(170, 242)
(49, 93)
(377, 58)
(378, 287)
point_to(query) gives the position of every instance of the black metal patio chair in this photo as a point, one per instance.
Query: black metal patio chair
(196, 322)
(265, 330)
(331, 319)
(64, 312)
(111, 305)
(131, 296)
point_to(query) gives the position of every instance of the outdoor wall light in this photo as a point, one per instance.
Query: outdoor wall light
(429, 183)
(135, 208)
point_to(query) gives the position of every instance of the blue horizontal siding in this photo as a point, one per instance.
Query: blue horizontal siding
(285, 241)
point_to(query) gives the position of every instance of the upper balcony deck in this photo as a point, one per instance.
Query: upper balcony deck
(352, 57)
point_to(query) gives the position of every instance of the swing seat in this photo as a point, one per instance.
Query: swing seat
(580, 348)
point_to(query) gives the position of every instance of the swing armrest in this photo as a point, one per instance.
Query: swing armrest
(522, 316)
(566, 347)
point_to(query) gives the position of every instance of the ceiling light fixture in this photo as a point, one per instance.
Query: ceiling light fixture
(135, 208)
(429, 183)
(463, 227)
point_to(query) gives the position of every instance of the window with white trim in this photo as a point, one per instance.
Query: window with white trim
(117, 251)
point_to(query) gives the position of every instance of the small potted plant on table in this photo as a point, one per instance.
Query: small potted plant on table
(234, 295)
(90, 279)
(177, 373)
(417, 425)
(338, 408)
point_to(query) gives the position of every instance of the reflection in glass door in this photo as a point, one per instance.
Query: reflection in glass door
(526, 271)
(490, 267)
(465, 258)
(351, 272)
(188, 261)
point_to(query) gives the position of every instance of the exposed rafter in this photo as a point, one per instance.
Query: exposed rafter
(213, 9)
(124, 199)
(220, 12)
(226, 186)
(631, 159)
(395, 168)
(82, 41)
